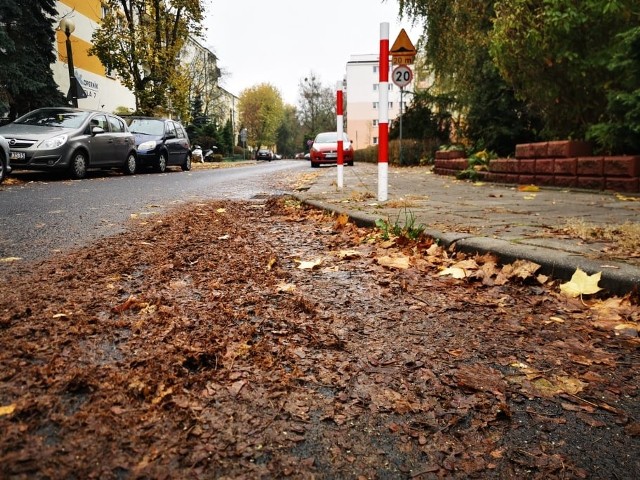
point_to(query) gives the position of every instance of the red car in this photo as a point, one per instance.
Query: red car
(325, 149)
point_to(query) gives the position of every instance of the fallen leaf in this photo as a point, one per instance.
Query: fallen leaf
(7, 409)
(401, 262)
(581, 284)
(528, 188)
(285, 287)
(524, 268)
(272, 261)
(309, 265)
(10, 259)
(221, 210)
(455, 272)
(347, 254)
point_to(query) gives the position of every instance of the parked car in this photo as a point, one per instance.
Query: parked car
(71, 139)
(5, 162)
(277, 156)
(161, 142)
(325, 149)
(264, 154)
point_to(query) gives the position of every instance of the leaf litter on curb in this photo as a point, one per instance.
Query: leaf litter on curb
(224, 359)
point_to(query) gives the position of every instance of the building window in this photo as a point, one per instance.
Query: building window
(375, 123)
(375, 87)
(390, 104)
(375, 69)
(375, 140)
(391, 86)
(375, 104)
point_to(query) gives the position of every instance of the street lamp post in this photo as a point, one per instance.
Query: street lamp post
(67, 26)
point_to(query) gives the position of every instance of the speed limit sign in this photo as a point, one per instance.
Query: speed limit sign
(402, 75)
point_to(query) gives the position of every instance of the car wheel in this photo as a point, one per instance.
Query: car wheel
(314, 165)
(3, 169)
(186, 166)
(131, 165)
(350, 164)
(78, 167)
(162, 163)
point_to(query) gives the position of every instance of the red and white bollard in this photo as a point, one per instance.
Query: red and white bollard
(340, 124)
(383, 114)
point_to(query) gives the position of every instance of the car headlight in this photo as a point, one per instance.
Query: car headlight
(54, 142)
(150, 145)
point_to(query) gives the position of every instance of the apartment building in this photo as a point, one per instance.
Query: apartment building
(104, 91)
(362, 112)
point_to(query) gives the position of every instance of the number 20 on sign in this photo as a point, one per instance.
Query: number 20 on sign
(402, 76)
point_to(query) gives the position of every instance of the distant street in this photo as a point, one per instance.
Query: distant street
(48, 213)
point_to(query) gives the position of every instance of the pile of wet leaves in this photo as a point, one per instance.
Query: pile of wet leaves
(267, 340)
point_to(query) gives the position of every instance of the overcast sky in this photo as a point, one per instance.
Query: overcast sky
(281, 41)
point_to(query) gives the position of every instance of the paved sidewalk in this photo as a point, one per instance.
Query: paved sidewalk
(485, 217)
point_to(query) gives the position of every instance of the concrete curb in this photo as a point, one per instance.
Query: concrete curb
(617, 278)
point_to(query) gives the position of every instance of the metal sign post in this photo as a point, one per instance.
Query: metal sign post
(340, 124)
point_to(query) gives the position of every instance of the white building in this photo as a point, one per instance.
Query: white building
(363, 97)
(104, 92)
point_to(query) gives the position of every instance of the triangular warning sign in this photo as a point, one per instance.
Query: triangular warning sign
(403, 45)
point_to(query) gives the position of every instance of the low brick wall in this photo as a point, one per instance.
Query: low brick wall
(565, 164)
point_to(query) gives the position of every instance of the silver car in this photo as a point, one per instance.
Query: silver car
(5, 163)
(70, 139)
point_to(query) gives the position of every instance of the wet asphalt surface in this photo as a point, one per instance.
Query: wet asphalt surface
(46, 213)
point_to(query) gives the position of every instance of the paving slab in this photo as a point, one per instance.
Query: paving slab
(486, 217)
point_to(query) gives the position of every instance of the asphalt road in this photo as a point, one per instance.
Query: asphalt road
(50, 213)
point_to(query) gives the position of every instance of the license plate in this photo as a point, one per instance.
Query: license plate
(331, 155)
(17, 155)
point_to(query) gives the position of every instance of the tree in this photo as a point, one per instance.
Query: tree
(495, 119)
(290, 135)
(316, 106)
(141, 41)
(619, 128)
(261, 111)
(555, 55)
(26, 36)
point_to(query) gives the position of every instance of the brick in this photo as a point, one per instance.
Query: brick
(545, 180)
(624, 185)
(504, 165)
(565, 181)
(527, 165)
(452, 163)
(590, 166)
(623, 166)
(502, 177)
(591, 183)
(569, 148)
(524, 150)
(526, 179)
(444, 171)
(540, 149)
(544, 166)
(565, 166)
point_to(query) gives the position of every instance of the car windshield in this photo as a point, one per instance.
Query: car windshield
(146, 126)
(329, 137)
(53, 118)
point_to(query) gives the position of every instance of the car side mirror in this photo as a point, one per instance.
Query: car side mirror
(96, 130)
